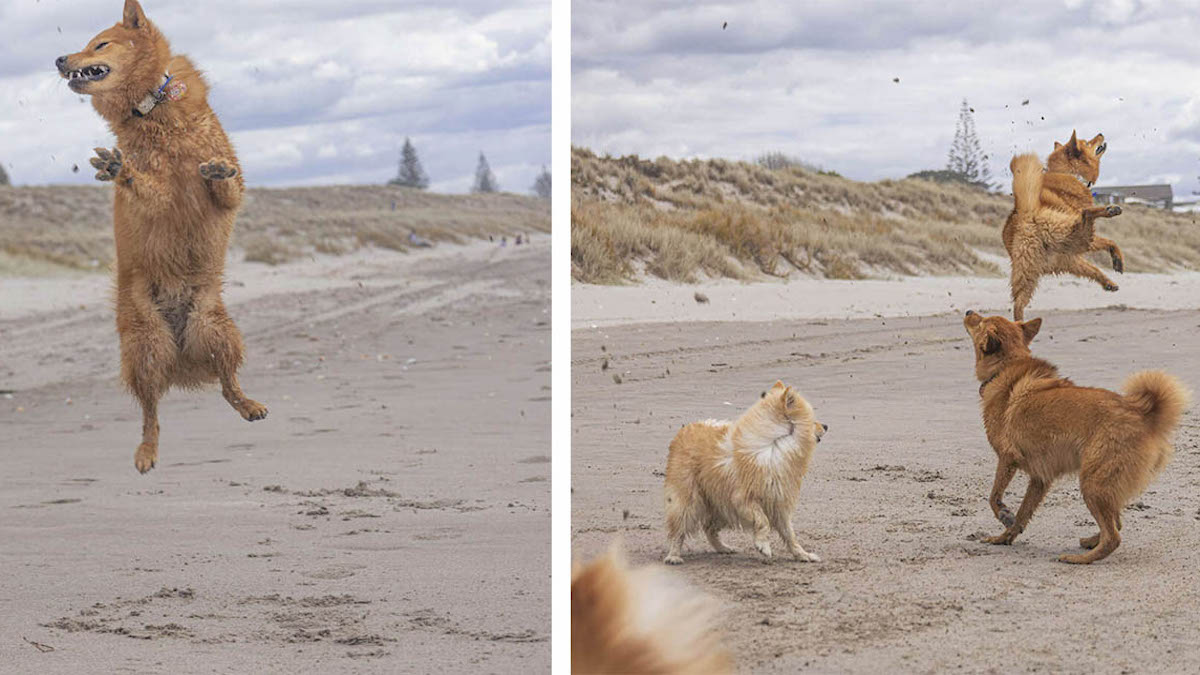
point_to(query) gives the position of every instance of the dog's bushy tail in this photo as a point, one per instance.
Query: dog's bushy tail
(640, 621)
(1162, 398)
(1027, 183)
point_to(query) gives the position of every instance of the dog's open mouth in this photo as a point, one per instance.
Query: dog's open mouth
(87, 74)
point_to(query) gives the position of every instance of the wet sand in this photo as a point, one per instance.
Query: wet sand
(392, 514)
(896, 497)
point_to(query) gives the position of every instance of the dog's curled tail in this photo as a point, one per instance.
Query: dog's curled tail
(1027, 183)
(640, 621)
(1162, 398)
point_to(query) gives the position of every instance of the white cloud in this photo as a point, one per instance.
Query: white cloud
(309, 90)
(815, 79)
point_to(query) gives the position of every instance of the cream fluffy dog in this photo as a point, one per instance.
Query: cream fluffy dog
(746, 474)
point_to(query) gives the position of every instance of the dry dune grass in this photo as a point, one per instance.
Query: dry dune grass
(683, 220)
(59, 227)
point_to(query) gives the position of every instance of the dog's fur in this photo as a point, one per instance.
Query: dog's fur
(1047, 427)
(640, 621)
(1053, 221)
(178, 189)
(746, 474)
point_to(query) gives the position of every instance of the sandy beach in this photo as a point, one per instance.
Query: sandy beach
(392, 513)
(896, 497)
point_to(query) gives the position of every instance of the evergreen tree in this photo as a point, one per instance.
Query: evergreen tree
(411, 174)
(3, 176)
(541, 186)
(485, 180)
(966, 155)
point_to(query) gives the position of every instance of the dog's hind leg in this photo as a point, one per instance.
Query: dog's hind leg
(1118, 259)
(1107, 515)
(1081, 268)
(148, 356)
(1094, 540)
(783, 525)
(680, 523)
(1033, 497)
(211, 338)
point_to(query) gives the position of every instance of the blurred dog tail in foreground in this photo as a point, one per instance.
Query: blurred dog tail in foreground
(1027, 183)
(1161, 398)
(640, 621)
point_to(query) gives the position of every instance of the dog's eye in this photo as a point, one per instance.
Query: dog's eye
(100, 46)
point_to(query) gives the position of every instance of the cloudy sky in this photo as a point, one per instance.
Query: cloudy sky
(311, 91)
(815, 79)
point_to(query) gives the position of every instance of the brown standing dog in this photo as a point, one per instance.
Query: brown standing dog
(1047, 426)
(178, 189)
(1053, 221)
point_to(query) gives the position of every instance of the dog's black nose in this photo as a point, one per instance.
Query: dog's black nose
(970, 312)
(61, 62)
(826, 426)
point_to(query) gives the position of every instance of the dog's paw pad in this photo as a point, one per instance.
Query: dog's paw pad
(107, 163)
(1111, 288)
(217, 170)
(1112, 211)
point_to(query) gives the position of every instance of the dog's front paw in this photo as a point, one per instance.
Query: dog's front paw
(673, 560)
(1112, 211)
(1111, 287)
(764, 547)
(251, 411)
(107, 164)
(217, 170)
(805, 556)
(1118, 262)
(1003, 539)
(146, 457)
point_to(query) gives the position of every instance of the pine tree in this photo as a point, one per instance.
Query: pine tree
(541, 186)
(966, 155)
(485, 180)
(3, 176)
(411, 174)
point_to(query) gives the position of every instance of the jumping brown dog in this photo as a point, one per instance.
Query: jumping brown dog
(178, 189)
(1052, 224)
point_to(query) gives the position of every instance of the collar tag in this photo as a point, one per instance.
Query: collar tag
(155, 97)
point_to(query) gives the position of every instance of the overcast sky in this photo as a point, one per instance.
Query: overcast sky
(815, 79)
(311, 91)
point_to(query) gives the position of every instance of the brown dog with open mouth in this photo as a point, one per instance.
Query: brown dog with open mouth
(1053, 221)
(1047, 426)
(178, 190)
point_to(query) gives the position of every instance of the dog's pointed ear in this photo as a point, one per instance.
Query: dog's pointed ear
(134, 16)
(1073, 144)
(1030, 328)
(1057, 145)
(991, 345)
(788, 399)
(778, 385)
